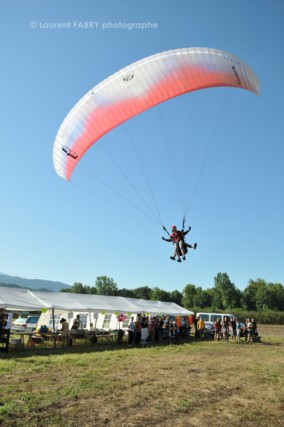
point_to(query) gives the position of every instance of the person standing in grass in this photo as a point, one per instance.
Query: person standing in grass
(233, 328)
(238, 330)
(201, 327)
(249, 330)
(131, 332)
(166, 327)
(64, 331)
(217, 329)
(225, 330)
(2, 321)
(138, 330)
(152, 329)
(144, 328)
(185, 328)
(254, 326)
(246, 329)
(161, 329)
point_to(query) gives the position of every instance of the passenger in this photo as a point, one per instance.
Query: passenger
(180, 247)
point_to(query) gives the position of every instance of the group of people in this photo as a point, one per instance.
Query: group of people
(156, 328)
(250, 332)
(65, 332)
(160, 328)
(229, 328)
(177, 237)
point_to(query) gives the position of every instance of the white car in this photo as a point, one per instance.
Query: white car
(19, 321)
(23, 324)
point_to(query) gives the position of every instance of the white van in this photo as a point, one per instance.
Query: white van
(210, 318)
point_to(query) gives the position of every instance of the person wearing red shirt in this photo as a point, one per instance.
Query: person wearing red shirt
(180, 246)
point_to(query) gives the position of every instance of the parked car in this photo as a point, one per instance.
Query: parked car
(210, 318)
(19, 322)
(209, 332)
(25, 324)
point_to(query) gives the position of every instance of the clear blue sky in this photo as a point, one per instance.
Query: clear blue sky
(74, 232)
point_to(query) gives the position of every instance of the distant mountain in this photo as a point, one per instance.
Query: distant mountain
(39, 284)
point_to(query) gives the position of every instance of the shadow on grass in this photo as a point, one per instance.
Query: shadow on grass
(87, 347)
(82, 347)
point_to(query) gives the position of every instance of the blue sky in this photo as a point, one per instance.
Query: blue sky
(74, 232)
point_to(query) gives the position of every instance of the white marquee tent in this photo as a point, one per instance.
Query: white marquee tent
(22, 299)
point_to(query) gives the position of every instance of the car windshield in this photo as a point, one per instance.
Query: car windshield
(20, 320)
(32, 319)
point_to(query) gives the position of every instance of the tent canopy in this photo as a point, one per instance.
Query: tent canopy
(22, 299)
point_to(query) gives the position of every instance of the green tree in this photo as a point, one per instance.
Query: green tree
(144, 292)
(262, 295)
(202, 298)
(158, 294)
(76, 288)
(230, 295)
(127, 293)
(215, 298)
(249, 296)
(176, 296)
(106, 286)
(276, 296)
(188, 296)
(256, 295)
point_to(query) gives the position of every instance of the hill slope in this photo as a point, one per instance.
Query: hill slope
(5, 279)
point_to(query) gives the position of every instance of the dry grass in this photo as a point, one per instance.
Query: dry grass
(271, 330)
(195, 384)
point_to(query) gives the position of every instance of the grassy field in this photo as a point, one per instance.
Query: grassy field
(194, 384)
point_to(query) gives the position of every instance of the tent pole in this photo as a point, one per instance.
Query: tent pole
(53, 328)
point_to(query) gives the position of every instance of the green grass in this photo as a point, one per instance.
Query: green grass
(195, 384)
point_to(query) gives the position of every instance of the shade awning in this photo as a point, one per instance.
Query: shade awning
(19, 299)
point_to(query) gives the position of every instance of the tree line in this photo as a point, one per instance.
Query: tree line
(223, 296)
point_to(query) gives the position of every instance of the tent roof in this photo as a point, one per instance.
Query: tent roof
(21, 299)
(18, 299)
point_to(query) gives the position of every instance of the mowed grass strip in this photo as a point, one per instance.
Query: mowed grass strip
(193, 384)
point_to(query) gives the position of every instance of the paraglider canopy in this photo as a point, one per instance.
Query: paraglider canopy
(139, 87)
